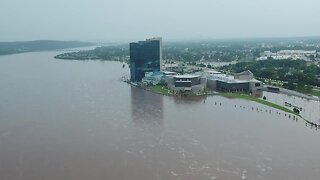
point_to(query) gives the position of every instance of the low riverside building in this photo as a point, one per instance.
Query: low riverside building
(154, 78)
(241, 82)
(190, 83)
(211, 80)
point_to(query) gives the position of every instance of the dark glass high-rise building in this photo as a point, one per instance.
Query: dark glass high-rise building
(145, 56)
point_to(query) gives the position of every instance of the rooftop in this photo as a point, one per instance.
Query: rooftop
(171, 65)
(244, 73)
(169, 73)
(186, 76)
(213, 72)
(229, 79)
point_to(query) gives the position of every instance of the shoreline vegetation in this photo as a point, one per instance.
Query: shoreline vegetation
(299, 75)
(104, 53)
(163, 90)
(7, 48)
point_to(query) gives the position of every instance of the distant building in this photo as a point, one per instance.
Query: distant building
(145, 56)
(173, 67)
(216, 81)
(288, 54)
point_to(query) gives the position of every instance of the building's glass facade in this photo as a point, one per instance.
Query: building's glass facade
(145, 56)
(232, 87)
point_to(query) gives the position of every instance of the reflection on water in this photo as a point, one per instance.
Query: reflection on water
(190, 100)
(76, 120)
(146, 108)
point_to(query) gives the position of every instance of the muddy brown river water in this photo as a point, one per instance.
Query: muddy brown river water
(76, 120)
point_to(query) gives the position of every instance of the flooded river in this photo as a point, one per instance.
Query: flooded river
(76, 120)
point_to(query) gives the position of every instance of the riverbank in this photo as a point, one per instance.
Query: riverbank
(7, 48)
(159, 89)
(163, 90)
(258, 100)
(270, 104)
(292, 93)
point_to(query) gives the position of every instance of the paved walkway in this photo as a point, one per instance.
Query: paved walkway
(293, 93)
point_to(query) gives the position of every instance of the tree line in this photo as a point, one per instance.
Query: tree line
(296, 74)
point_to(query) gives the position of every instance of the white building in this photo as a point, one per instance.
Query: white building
(288, 54)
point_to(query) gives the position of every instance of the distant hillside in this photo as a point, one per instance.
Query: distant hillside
(40, 45)
(108, 53)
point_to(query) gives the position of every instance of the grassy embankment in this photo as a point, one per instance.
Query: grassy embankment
(315, 92)
(165, 91)
(160, 89)
(255, 99)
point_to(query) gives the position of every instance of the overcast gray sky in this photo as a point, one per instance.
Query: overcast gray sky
(120, 20)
